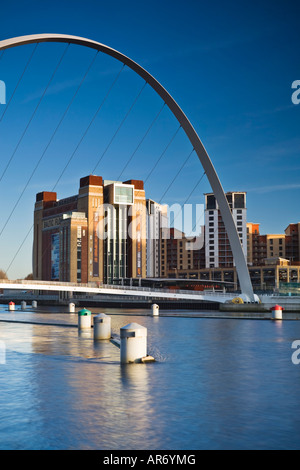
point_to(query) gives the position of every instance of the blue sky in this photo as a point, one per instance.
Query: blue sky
(229, 65)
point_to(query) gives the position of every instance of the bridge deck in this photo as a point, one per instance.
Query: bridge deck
(93, 288)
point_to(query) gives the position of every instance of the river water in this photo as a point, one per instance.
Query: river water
(216, 384)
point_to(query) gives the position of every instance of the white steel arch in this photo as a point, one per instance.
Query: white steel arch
(235, 243)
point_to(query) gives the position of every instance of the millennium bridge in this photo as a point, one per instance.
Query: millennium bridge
(117, 291)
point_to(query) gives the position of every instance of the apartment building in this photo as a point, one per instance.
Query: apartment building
(292, 242)
(217, 246)
(179, 252)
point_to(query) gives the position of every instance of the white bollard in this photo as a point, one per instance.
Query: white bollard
(11, 306)
(34, 304)
(71, 308)
(277, 312)
(23, 305)
(155, 310)
(102, 326)
(84, 319)
(133, 343)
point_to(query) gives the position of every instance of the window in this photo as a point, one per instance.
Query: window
(239, 201)
(229, 199)
(123, 195)
(211, 202)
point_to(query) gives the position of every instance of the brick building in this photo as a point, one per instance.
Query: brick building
(97, 235)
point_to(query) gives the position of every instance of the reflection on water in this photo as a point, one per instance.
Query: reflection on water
(217, 383)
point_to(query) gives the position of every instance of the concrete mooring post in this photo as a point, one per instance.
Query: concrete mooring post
(155, 310)
(11, 306)
(84, 319)
(276, 312)
(133, 343)
(71, 307)
(102, 327)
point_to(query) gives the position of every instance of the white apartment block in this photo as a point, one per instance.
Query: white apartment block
(217, 247)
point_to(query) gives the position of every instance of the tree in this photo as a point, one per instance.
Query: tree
(29, 277)
(3, 274)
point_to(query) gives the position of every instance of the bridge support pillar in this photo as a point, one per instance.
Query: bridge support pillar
(65, 296)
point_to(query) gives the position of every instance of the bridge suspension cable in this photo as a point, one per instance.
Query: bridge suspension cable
(19, 81)
(120, 126)
(49, 143)
(177, 174)
(34, 113)
(88, 128)
(163, 153)
(149, 255)
(142, 140)
(72, 155)
(242, 269)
